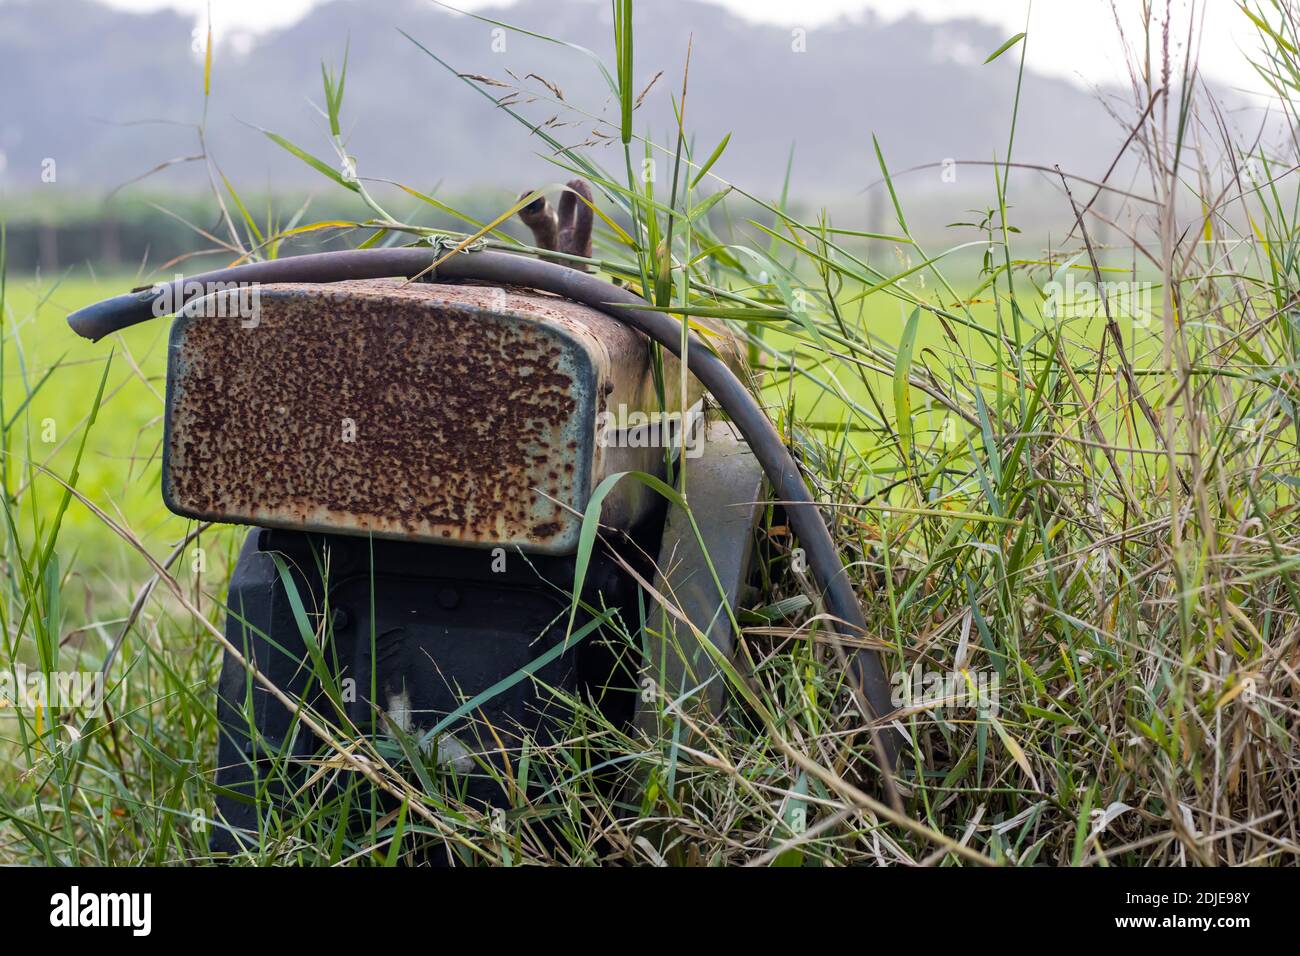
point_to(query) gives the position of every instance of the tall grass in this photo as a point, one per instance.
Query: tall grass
(1089, 507)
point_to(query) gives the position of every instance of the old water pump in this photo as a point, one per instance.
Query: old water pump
(415, 460)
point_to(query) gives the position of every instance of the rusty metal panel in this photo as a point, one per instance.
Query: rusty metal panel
(444, 413)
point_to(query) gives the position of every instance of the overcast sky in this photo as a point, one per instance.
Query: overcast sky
(1070, 38)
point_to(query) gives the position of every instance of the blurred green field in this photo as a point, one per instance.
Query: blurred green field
(50, 379)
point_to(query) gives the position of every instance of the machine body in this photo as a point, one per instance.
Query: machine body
(415, 460)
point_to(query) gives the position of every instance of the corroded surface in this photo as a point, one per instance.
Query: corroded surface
(443, 413)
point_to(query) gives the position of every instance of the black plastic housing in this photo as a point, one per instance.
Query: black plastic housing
(417, 629)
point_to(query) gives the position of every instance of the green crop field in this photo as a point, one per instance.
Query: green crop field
(50, 380)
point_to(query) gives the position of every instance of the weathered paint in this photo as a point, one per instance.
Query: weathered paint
(472, 413)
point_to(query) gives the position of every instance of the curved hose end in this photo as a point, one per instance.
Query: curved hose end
(103, 318)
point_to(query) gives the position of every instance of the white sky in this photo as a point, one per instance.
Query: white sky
(1069, 38)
